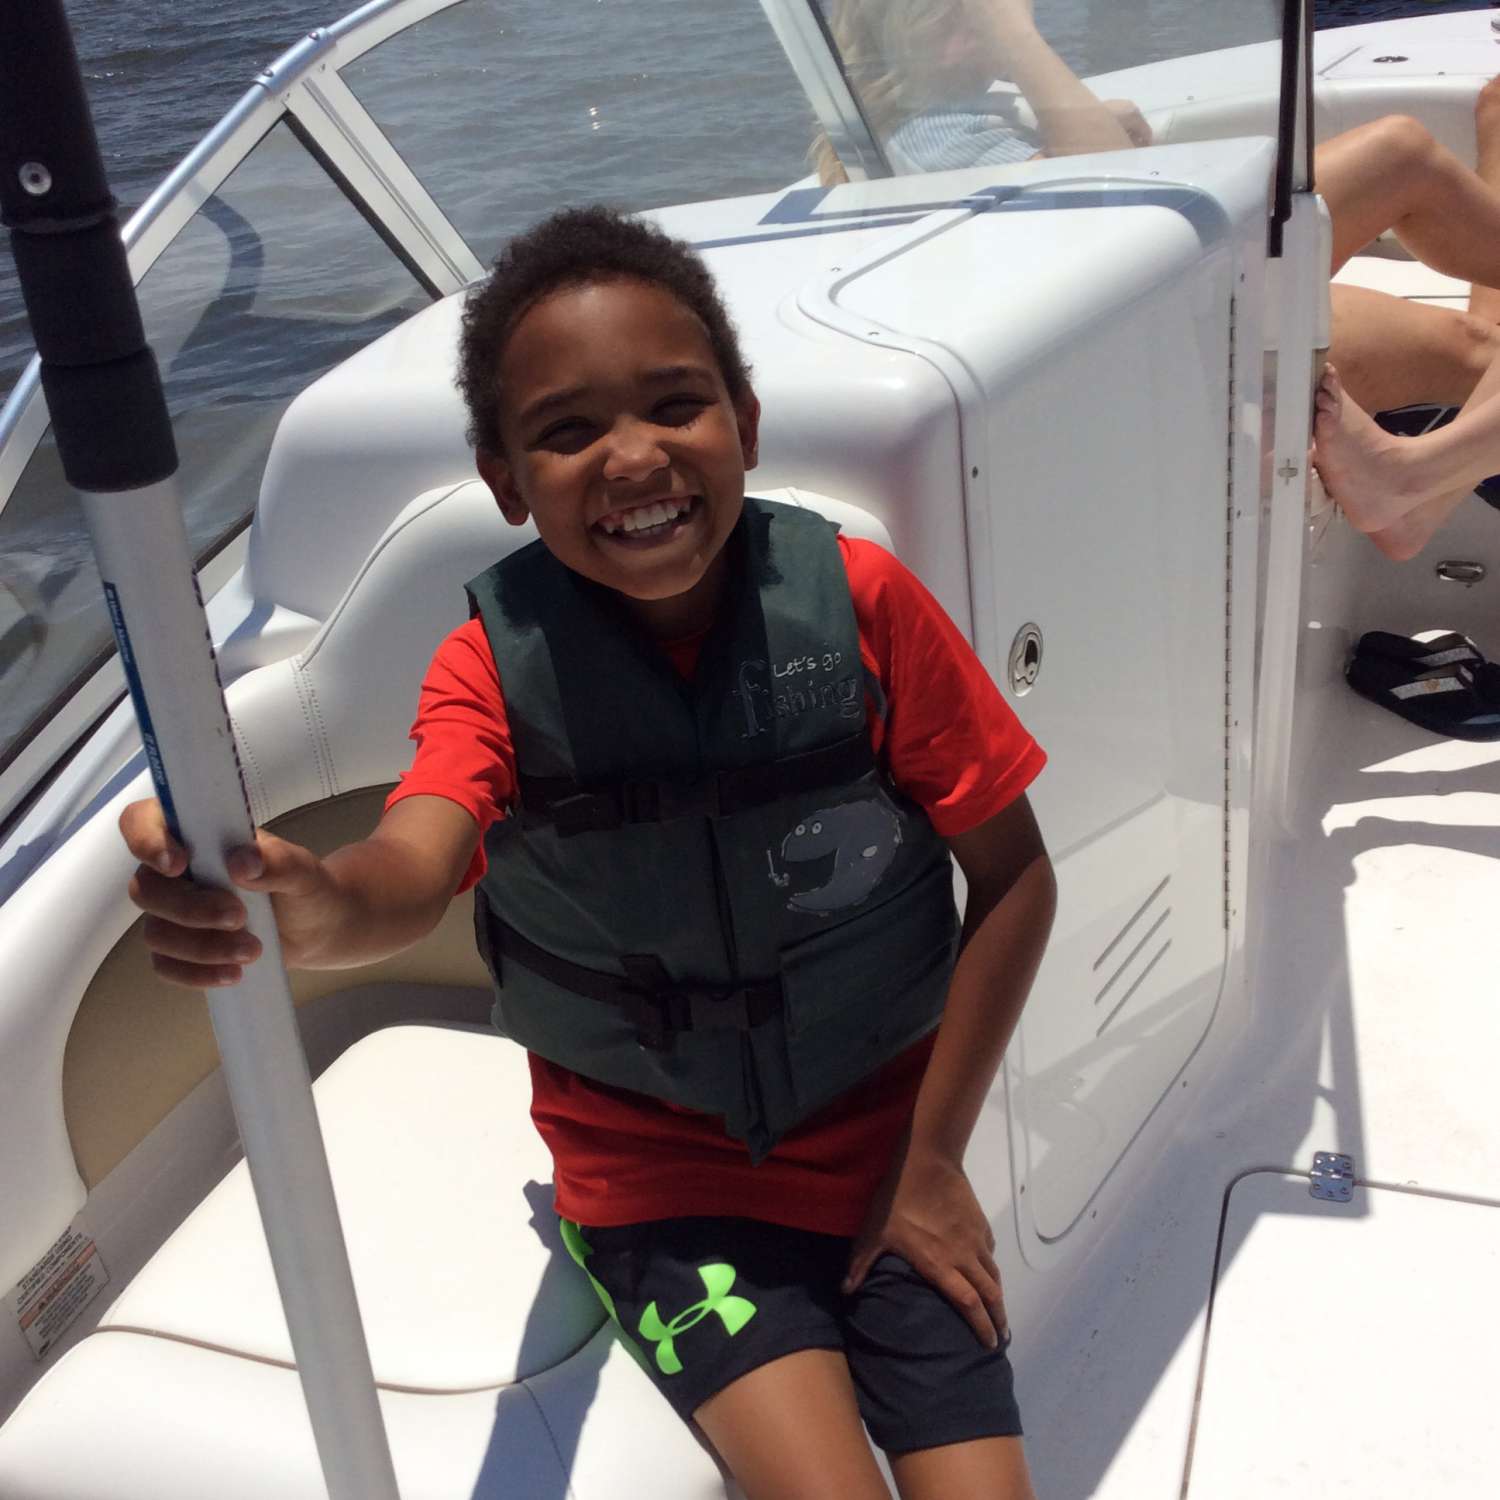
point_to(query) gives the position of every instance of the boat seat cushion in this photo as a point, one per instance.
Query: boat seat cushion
(128, 1417)
(445, 1192)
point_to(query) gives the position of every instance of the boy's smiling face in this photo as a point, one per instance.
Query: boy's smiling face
(622, 441)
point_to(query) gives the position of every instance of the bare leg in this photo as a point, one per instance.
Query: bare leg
(1390, 352)
(791, 1431)
(1484, 301)
(1391, 174)
(986, 1469)
(1402, 489)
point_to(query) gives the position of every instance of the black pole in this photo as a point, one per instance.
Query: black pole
(1296, 43)
(99, 377)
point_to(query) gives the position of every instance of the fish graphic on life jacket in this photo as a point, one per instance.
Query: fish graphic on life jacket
(835, 857)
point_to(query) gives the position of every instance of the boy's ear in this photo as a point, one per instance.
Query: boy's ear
(747, 419)
(496, 473)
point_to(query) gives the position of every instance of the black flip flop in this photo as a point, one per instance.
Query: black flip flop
(1457, 699)
(1450, 649)
(1414, 421)
(1446, 650)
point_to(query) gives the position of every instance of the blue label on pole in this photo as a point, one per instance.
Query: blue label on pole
(142, 712)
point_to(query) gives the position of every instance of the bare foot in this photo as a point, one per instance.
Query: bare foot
(1416, 528)
(1365, 470)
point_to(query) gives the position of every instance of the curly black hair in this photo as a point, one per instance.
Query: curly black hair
(576, 247)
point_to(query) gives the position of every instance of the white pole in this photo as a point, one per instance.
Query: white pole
(115, 440)
(147, 571)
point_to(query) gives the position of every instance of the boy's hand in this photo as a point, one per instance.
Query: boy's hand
(197, 935)
(926, 1212)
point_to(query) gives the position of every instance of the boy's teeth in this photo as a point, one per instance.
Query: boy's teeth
(645, 516)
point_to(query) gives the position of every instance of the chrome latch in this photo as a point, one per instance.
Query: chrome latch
(1025, 659)
(1332, 1176)
(1466, 573)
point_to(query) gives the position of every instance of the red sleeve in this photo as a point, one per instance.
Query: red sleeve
(464, 751)
(951, 741)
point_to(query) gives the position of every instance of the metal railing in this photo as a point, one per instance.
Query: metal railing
(302, 88)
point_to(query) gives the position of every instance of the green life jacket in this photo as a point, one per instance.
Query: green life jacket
(709, 891)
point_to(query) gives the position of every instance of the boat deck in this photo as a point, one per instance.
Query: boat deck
(1373, 1030)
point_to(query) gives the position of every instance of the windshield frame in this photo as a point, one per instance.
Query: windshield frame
(301, 87)
(803, 32)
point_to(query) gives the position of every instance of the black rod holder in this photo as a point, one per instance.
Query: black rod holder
(100, 379)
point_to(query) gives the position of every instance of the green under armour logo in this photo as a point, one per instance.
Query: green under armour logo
(733, 1312)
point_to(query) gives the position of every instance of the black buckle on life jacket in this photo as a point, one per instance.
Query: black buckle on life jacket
(661, 1008)
(633, 802)
(585, 812)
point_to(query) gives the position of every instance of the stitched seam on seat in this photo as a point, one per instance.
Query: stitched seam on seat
(256, 790)
(298, 686)
(325, 744)
(286, 1364)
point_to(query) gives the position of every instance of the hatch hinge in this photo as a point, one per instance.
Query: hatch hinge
(1332, 1176)
(1226, 830)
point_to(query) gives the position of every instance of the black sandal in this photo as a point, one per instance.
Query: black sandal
(1443, 685)
(1450, 649)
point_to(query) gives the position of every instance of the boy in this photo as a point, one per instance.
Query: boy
(704, 762)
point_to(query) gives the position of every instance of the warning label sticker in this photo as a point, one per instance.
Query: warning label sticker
(57, 1289)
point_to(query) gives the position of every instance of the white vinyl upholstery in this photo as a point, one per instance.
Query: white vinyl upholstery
(127, 1417)
(445, 1193)
(499, 1374)
(335, 717)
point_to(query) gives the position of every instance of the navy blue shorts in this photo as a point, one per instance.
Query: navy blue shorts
(706, 1300)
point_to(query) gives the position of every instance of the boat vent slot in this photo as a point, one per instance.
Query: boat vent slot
(1135, 917)
(1139, 979)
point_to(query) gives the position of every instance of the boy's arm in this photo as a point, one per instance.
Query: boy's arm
(1011, 902)
(927, 1211)
(362, 903)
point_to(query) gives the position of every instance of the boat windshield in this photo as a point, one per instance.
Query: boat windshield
(932, 85)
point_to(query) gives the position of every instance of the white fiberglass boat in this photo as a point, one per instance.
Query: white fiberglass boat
(1242, 1158)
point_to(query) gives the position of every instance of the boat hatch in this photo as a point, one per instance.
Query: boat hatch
(1131, 707)
(1350, 1346)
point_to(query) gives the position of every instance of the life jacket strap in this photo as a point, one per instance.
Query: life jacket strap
(574, 808)
(659, 1006)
